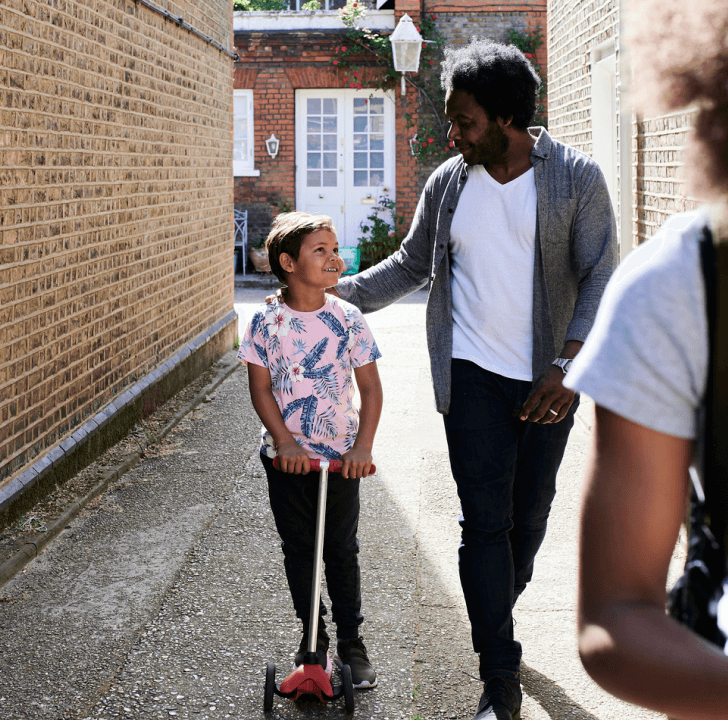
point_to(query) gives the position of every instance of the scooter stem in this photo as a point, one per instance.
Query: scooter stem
(318, 554)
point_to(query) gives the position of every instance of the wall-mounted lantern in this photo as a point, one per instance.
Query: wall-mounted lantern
(406, 47)
(272, 144)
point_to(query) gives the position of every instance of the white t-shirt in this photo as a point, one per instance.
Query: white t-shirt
(646, 358)
(492, 242)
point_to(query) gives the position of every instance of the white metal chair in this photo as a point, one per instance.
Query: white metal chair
(241, 234)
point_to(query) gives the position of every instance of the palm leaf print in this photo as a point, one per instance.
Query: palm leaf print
(324, 425)
(334, 325)
(315, 355)
(357, 326)
(326, 387)
(279, 377)
(375, 354)
(318, 372)
(296, 324)
(352, 428)
(308, 415)
(322, 449)
(341, 349)
(289, 409)
(261, 353)
(255, 323)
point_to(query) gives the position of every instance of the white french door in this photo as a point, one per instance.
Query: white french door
(345, 155)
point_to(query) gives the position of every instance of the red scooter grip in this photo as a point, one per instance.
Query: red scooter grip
(334, 465)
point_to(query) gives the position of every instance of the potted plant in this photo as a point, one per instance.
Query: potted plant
(259, 256)
(383, 235)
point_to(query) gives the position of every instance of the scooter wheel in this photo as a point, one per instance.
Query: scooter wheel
(270, 685)
(348, 689)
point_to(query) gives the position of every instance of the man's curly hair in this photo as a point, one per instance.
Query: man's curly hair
(499, 77)
(681, 62)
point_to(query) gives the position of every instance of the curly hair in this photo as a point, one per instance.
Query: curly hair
(682, 63)
(499, 77)
(286, 235)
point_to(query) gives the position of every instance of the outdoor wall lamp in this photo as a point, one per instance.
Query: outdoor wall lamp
(272, 144)
(406, 47)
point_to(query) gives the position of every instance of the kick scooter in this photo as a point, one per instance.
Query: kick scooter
(310, 678)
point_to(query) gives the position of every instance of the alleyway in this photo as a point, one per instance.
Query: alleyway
(166, 597)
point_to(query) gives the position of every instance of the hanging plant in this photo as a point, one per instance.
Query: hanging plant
(428, 121)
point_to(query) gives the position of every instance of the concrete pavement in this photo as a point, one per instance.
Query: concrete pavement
(166, 596)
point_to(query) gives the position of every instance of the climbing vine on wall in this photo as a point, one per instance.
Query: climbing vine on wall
(429, 142)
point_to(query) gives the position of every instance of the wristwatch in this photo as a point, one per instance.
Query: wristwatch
(563, 363)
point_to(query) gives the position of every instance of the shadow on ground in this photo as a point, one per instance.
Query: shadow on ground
(555, 702)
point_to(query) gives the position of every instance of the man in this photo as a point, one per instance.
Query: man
(516, 239)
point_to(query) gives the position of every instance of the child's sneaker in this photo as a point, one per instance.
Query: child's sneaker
(353, 653)
(322, 650)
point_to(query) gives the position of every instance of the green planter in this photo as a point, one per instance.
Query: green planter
(351, 257)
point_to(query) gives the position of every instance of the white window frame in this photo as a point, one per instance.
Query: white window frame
(246, 166)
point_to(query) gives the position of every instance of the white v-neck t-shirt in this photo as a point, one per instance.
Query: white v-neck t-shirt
(492, 245)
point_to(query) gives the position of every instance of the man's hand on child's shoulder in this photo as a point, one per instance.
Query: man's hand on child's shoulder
(356, 463)
(292, 458)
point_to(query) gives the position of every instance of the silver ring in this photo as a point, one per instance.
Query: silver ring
(553, 411)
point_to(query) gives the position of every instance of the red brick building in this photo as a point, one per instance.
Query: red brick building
(343, 141)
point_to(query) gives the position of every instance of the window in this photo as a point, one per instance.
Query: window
(243, 158)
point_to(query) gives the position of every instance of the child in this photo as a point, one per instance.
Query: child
(300, 354)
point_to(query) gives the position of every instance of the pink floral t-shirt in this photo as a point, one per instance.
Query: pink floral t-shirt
(311, 357)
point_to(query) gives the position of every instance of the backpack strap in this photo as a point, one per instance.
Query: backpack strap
(714, 260)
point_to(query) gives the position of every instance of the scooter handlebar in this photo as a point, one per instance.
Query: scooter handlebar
(334, 465)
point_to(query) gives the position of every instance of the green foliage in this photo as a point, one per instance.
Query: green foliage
(383, 236)
(311, 6)
(427, 120)
(528, 44)
(284, 205)
(250, 5)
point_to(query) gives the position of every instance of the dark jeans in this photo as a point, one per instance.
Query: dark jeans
(293, 500)
(505, 470)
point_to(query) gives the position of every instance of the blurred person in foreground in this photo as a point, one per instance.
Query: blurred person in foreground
(645, 364)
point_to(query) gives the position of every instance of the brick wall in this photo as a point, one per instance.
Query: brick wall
(657, 188)
(660, 189)
(574, 29)
(116, 204)
(274, 66)
(459, 27)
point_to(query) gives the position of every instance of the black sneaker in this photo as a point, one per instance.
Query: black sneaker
(352, 652)
(322, 649)
(501, 700)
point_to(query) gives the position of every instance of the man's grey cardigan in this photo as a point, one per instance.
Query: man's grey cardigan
(574, 257)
